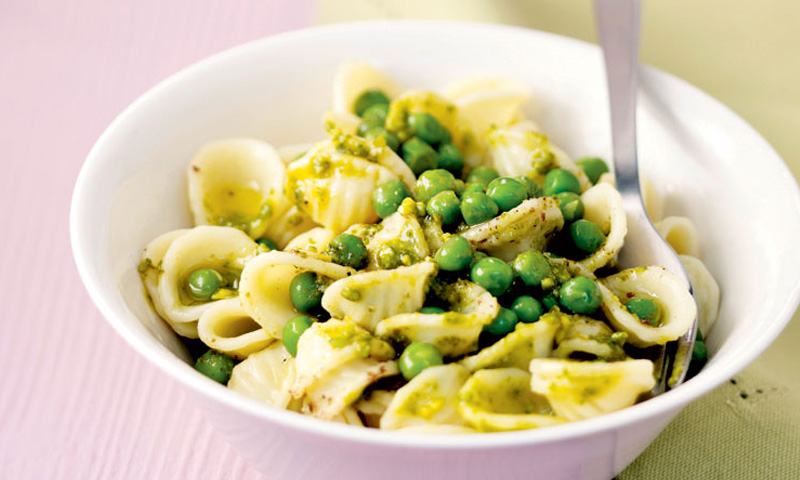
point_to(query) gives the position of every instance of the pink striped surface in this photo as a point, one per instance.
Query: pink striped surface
(76, 401)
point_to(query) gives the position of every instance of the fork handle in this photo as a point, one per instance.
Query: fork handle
(618, 29)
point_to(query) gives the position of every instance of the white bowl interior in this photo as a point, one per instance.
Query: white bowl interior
(710, 165)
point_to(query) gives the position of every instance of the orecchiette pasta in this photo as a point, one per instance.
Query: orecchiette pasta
(436, 265)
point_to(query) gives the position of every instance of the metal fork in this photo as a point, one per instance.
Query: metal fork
(618, 28)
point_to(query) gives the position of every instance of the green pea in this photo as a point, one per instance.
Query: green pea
(507, 192)
(571, 206)
(503, 323)
(472, 187)
(455, 254)
(477, 257)
(431, 310)
(416, 357)
(203, 283)
(269, 243)
(527, 308)
(388, 196)
(368, 99)
(532, 187)
(450, 159)
(586, 235)
(419, 155)
(647, 310)
(700, 351)
(492, 274)
(390, 138)
(305, 291)
(549, 301)
(531, 266)
(348, 250)
(445, 205)
(375, 115)
(559, 180)
(482, 175)
(432, 182)
(426, 127)
(460, 186)
(593, 167)
(215, 365)
(292, 331)
(580, 295)
(477, 208)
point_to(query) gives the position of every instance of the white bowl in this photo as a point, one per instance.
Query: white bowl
(710, 165)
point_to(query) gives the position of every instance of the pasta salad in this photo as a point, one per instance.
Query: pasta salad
(436, 264)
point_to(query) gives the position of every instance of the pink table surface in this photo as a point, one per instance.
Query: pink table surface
(76, 401)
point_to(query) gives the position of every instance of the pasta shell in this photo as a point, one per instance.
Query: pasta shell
(453, 333)
(369, 297)
(488, 101)
(224, 249)
(518, 348)
(589, 339)
(681, 234)
(339, 388)
(265, 376)
(328, 346)
(706, 291)
(265, 281)
(335, 188)
(527, 226)
(677, 306)
(603, 206)
(399, 240)
(226, 327)
(520, 150)
(314, 241)
(238, 183)
(579, 390)
(430, 398)
(500, 399)
(354, 78)
(348, 416)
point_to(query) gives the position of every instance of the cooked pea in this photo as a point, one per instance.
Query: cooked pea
(532, 267)
(586, 235)
(375, 115)
(419, 155)
(580, 295)
(215, 365)
(559, 180)
(269, 243)
(593, 167)
(460, 186)
(445, 205)
(432, 182)
(482, 175)
(292, 330)
(388, 196)
(455, 254)
(477, 208)
(450, 159)
(700, 351)
(305, 291)
(527, 308)
(532, 187)
(503, 323)
(390, 138)
(348, 250)
(431, 310)
(549, 301)
(571, 206)
(507, 192)
(368, 99)
(472, 187)
(426, 127)
(477, 257)
(203, 282)
(492, 274)
(416, 357)
(647, 310)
